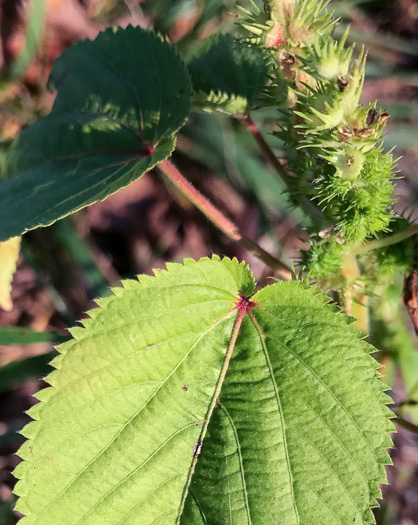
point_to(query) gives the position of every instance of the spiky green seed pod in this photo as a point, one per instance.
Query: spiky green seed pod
(329, 59)
(323, 259)
(288, 24)
(325, 105)
(360, 204)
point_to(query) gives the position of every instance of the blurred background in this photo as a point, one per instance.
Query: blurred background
(62, 268)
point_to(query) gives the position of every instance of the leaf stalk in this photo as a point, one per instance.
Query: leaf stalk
(387, 241)
(266, 149)
(220, 221)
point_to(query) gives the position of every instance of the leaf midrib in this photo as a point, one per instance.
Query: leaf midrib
(241, 310)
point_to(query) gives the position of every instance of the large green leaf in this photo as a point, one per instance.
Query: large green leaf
(228, 75)
(121, 99)
(297, 434)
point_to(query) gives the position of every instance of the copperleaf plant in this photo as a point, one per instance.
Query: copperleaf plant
(189, 397)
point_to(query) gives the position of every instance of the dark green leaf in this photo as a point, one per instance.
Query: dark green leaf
(121, 99)
(19, 371)
(228, 75)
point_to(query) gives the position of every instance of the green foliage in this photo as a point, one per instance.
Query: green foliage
(144, 421)
(32, 367)
(228, 75)
(15, 335)
(121, 99)
(323, 258)
(397, 257)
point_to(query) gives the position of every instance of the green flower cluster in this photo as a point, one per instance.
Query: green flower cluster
(335, 152)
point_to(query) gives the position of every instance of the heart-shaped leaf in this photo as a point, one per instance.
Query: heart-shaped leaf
(182, 400)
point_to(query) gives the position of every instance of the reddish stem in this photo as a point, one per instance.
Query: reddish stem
(245, 303)
(222, 222)
(265, 148)
(305, 204)
(410, 298)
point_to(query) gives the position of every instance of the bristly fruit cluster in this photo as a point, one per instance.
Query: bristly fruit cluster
(332, 140)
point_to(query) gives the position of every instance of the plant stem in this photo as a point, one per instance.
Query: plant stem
(407, 402)
(406, 424)
(265, 148)
(387, 241)
(304, 203)
(353, 303)
(219, 220)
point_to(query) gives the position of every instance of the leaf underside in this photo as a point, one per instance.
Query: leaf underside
(121, 99)
(228, 75)
(298, 435)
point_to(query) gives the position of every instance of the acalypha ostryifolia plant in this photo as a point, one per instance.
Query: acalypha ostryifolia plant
(189, 397)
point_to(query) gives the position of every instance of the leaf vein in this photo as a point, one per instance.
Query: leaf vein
(279, 404)
(331, 468)
(136, 470)
(328, 389)
(123, 518)
(216, 322)
(202, 514)
(240, 462)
